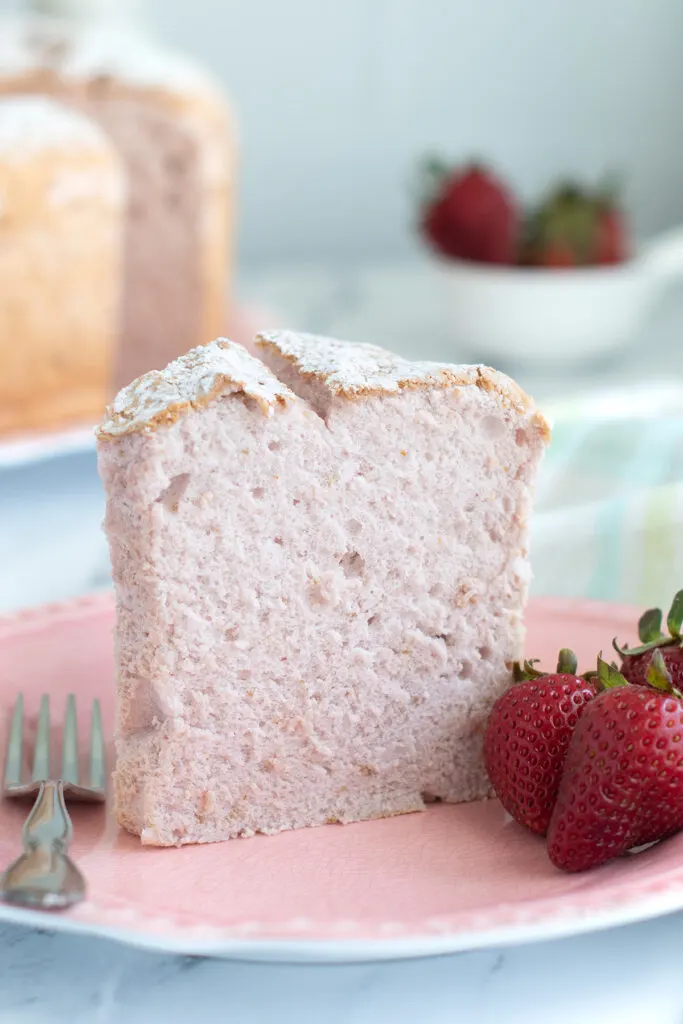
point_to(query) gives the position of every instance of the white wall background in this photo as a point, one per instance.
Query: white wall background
(337, 99)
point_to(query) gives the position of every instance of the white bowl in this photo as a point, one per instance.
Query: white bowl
(556, 315)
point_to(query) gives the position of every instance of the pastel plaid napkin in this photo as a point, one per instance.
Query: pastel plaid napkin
(608, 521)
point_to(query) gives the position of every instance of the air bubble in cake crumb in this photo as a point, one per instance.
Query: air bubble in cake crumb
(353, 564)
(171, 497)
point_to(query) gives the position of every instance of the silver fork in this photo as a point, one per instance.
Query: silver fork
(44, 876)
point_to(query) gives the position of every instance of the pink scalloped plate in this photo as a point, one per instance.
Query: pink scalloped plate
(451, 878)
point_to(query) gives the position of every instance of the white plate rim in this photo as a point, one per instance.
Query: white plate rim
(25, 449)
(307, 951)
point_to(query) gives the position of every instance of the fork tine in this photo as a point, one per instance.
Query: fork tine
(41, 756)
(15, 746)
(70, 743)
(98, 768)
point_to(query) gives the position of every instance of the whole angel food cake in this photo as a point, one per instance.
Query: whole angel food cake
(171, 128)
(62, 195)
(320, 562)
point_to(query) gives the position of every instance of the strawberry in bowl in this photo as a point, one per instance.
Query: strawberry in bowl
(471, 215)
(575, 228)
(555, 283)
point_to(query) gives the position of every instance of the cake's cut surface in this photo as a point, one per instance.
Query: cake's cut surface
(320, 582)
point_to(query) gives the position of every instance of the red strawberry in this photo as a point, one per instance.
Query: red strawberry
(560, 232)
(636, 661)
(471, 216)
(611, 243)
(555, 255)
(527, 736)
(622, 781)
(575, 227)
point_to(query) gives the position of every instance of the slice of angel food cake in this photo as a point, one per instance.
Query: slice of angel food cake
(320, 563)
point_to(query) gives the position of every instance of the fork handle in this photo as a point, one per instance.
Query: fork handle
(44, 875)
(49, 823)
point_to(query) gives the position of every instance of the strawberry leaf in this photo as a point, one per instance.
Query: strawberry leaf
(674, 619)
(627, 652)
(525, 671)
(432, 174)
(610, 190)
(657, 673)
(609, 676)
(650, 626)
(567, 663)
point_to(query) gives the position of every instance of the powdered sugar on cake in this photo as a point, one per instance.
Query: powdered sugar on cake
(350, 370)
(360, 369)
(31, 123)
(205, 373)
(88, 50)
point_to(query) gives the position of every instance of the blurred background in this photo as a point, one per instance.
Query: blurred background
(335, 105)
(337, 101)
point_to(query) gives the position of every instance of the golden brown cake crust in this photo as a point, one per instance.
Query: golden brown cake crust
(350, 371)
(159, 398)
(63, 191)
(355, 371)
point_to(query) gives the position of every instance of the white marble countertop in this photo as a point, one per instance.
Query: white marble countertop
(627, 976)
(51, 547)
